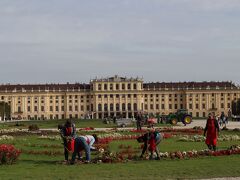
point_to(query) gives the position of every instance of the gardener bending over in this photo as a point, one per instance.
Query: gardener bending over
(152, 139)
(84, 143)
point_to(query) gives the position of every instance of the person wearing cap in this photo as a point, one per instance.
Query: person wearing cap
(212, 130)
(84, 143)
(68, 134)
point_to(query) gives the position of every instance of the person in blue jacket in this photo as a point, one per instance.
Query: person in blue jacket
(83, 143)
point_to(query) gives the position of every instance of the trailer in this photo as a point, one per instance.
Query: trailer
(123, 122)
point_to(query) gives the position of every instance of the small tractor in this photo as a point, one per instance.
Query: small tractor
(180, 116)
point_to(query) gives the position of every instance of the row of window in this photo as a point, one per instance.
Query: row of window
(127, 86)
(170, 100)
(56, 116)
(123, 107)
(177, 106)
(57, 108)
(157, 100)
(157, 106)
(181, 95)
(117, 95)
(163, 95)
(51, 101)
(213, 106)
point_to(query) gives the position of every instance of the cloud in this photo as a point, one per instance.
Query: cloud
(71, 40)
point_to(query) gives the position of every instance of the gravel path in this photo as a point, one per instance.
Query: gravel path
(224, 178)
(202, 123)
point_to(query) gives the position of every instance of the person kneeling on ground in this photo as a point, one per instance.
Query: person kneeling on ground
(84, 143)
(152, 139)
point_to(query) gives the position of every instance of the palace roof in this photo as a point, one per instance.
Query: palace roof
(189, 85)
(86, 87)
(44, 87)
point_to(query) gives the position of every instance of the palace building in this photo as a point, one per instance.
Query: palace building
(115, 96)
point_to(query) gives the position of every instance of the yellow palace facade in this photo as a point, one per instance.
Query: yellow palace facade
(115, 96)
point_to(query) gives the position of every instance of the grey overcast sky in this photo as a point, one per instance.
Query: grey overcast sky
(57, 41)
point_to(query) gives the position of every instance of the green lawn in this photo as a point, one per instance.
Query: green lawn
(48, 167)
(42, 168)
(80, 123)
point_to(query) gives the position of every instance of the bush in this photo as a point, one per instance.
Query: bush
(236, 129)
(33, 127)
(225, 128)
(198, 128)
(8, 154)
(19, 124)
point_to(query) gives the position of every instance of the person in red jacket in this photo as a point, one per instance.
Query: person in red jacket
(68, 134)
(212, 130)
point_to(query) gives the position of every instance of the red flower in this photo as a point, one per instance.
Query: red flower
(8, 154)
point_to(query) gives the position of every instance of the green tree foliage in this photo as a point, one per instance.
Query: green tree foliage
(5, 110)
(236, 107)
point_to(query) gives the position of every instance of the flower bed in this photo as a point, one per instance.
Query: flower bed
(8, 154)
(54, 138)
(107, 138)
(200, 138)
(14, 130)
(235, 149)
(24, 132)
(5, 137)
(128, 154)
(45, 152)
(44, 145)
(181, 131)
(87, 129)
(33, 127)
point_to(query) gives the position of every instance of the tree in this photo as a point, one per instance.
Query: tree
(5, 110)
(236, 107)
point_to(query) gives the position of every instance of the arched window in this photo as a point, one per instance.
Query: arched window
(135, 106)
(111, 86)
(129, 106)
(117, 107)
(105, 86)
(134, 86)
(111, 107)
(99, 87)
(213, 107)
(123, 107)
(105, 107)
(99, 107)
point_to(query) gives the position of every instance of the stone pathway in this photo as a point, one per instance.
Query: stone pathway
(224, 178)
(202, 123)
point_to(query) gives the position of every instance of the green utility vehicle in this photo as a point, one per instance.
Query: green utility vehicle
(180, 116)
